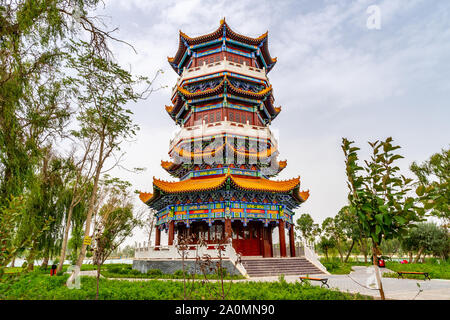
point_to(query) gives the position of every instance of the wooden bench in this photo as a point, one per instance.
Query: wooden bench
(323, 280)
(401, 273)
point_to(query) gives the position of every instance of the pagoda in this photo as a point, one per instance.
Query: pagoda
(224, 155)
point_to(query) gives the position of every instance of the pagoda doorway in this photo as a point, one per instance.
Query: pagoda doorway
(251, 240)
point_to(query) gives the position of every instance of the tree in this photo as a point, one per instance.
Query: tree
(433, 184)
(428, 238)
(333, 228)
(306, 226)
(103, 89)
(34, 105)
(350, 227)
(326, 244)
(379, 196)
(115, 222)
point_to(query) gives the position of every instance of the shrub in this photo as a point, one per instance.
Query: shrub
(135, 272)
(154, 272)
(179, 274)
(115, 269)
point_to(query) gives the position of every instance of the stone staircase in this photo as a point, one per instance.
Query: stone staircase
(263, 267)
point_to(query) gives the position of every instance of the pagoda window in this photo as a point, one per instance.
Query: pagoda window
(218, 116)
(231, 116)
(203, 231)
(211, 117)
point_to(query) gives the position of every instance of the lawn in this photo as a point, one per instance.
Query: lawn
(34, 286)
(436, 270)
(335, 266)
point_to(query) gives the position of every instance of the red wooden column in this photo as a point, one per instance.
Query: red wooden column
(282, 238)
(228, 230)
(171, 232)
(157, 238)
(292, 240)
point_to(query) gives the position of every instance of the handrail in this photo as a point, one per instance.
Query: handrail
(312, 257)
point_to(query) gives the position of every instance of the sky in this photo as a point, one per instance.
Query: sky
(335, 77)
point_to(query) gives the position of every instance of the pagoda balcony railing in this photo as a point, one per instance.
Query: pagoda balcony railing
(194, 251)
(220, 66)
(224, 126)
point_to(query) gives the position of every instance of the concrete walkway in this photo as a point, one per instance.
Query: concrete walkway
(355, 282)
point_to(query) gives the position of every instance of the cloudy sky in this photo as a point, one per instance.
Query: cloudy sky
(334, 78)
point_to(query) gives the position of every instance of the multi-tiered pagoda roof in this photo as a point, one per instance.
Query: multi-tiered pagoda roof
(224, 153)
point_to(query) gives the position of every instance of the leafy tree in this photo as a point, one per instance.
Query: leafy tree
(333, 228)
(433, 184)
(115, 222)
(428, 238)
(326, 244)
(307, 227)
(34, 103)
(378, 197)
(103, 89)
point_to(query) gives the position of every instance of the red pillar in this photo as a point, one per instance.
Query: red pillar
(228, 230)
(171, 232)
(292, 240)
(157, 238)
(282, 238)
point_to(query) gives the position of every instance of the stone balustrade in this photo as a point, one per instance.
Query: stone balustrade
(220, 66)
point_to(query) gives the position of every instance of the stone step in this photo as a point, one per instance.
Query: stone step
(272, 267)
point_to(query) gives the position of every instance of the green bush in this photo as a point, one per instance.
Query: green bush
(115, 269)
(135, 272)
(154, 272)
(178, 274)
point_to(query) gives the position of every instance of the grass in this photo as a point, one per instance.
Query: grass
(436, 270)
(335, 266)
(33, 286)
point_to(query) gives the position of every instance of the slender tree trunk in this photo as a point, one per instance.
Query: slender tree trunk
(418, 255)
(377, 271)
(12, 262)
(410, 257)
(326, 254)
(62, 255)
(349, 251)
(45, 262)
(31, 256)
(98, 280)
(363, 245)
(91, 204)
(339, 249)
